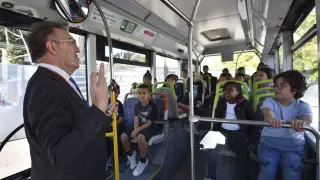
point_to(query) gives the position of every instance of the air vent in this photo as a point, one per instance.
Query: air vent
(217, 34)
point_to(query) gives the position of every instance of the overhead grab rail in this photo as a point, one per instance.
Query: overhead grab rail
(174, 8)
(263, 124)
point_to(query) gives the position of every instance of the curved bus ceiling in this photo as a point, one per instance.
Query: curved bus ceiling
(160, 29)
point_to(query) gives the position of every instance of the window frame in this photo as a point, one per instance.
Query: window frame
(102, 43)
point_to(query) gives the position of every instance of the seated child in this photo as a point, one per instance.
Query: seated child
(183, 105)
(145, 113)
(225, 77)
(240, 77)
(147, 79)
(178, 87)
(171, 78)
(233, 106)
(282, 146)
(264, 74)
(242, 70)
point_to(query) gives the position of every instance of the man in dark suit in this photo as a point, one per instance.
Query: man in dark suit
(66, 134)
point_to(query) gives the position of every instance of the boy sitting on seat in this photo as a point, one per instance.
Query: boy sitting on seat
(145, 113)
(280, 146)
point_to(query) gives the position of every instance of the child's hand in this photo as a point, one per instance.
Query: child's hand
(134, 133)
(296, 125)
(112, 107)
(275, 122)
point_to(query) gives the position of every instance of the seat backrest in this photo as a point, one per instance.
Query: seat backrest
(172, 103)
(167, 86)
(249, 81)
(215, 102)
(256, 85)
(259, 98)
(161, 126)
(161, 102)
(128, 109)
(160, 106)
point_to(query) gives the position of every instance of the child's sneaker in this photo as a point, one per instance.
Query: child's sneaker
(132, 160)
(140, 168)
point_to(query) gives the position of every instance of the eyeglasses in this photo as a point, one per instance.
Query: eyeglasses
(72, 41)
(280, 86)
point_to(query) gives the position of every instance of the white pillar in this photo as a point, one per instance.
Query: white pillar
(91, 58)
(154, 66)
(287, 42)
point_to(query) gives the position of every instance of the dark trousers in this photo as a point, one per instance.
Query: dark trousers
(237, 142)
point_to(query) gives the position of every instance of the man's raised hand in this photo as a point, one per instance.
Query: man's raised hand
(99, 89)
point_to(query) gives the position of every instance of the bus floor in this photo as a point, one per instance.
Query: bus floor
(184, 172)
(225, 165)
(164, 158)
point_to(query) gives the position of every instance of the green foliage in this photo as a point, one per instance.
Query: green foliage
(305, 59)
(281, 58)
(13, 43)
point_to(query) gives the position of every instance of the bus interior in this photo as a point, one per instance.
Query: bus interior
(166, 37)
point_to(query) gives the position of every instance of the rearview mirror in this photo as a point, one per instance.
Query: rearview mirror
(74, 11)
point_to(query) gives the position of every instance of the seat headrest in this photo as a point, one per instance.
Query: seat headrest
(128, 109)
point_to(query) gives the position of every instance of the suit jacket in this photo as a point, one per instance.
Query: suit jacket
(66, 137)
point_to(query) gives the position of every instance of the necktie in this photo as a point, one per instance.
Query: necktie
(77, 87)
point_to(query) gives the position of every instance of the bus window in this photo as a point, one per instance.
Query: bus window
(173, 66)
(126, 55)
(305, 60)
(124, 75)
(280, 59)
(249, 60)
(80, 74)
(305, 26)
(15, 71)
(160, 75)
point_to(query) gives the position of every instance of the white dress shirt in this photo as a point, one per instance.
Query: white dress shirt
(62, 73)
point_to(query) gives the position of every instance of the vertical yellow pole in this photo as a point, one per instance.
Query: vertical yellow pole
(115, 140)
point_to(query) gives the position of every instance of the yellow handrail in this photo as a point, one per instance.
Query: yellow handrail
(114, 134)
